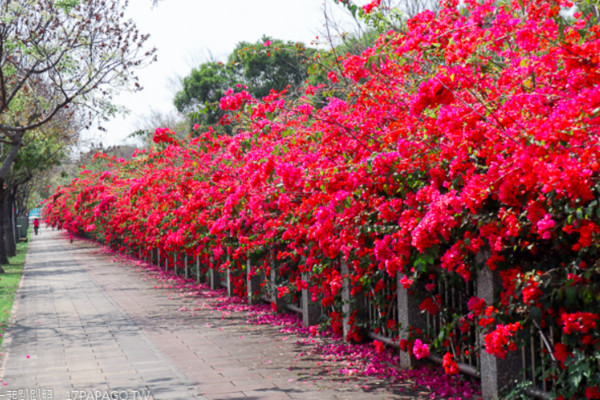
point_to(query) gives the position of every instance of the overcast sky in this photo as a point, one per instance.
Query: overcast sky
(188, 32)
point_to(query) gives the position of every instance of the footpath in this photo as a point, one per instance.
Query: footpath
(88, 324)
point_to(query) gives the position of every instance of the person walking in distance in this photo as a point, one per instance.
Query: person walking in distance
(36, 225)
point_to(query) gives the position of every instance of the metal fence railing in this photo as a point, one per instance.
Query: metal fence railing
(454, 293)
(382, 313)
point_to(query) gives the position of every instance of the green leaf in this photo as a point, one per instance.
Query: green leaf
(571, 294)
(536, 313)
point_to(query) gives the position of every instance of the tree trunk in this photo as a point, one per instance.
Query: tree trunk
(9, 238)
(13, 217)
(3, 257)
(11, 156)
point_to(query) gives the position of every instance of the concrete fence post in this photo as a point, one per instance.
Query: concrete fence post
(496, 373)
(280, 303)
(158, 257)
(350, 303)
(228, 277)
(409, 315)
(346, 298)
(253, 282)
(197, 268)
(175, 264)
(187, 269)
(214, 280)
(310, 310)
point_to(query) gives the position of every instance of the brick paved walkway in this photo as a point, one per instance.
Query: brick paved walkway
(86, 324)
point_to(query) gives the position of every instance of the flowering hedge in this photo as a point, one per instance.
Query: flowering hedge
(467, 141)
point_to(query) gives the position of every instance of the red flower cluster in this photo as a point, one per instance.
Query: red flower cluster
(578, 322)
(531, 292)
(499, 341)
(233, 101)
(450, 365)
(164, 135)
(561, 353)
(369, 7)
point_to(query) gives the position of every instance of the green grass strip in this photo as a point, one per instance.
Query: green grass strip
(9, 282)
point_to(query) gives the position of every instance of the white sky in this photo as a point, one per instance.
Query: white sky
(189, 32)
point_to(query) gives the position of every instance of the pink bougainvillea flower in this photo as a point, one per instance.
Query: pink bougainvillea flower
(420, 349)
(369, 7)
(406, 282)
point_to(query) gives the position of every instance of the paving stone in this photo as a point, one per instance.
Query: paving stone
(85, 310)
(82, 347)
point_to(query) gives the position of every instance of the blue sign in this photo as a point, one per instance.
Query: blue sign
(35, 213)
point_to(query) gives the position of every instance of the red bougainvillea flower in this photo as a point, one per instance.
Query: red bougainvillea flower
(369, 7)
(592, 392)
(332, 77)
(476, 305)
(449, 364)
(531, 292)
(561, 353)
(282, 291)
(164, 135)
(406, 282)
(431, 304)
(379, 346)
(578, 322)
(499, 341)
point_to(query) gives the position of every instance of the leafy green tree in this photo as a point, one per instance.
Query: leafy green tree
(260, 67)
(42, 149)
(202, 90)
(272, 64)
